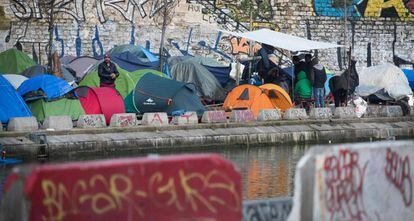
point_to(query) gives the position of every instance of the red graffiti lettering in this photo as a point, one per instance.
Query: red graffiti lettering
(244, 116)
(156, 118)
(217, 116)
(397, 170)
(125, 121)
(410, 6)
(344, 179)
(187, 117)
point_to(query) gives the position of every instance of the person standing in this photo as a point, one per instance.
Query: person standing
(318, 83)
(107, 72)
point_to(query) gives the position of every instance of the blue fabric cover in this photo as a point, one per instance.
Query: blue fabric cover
(410, 76)
(52, 86)
(11, 103)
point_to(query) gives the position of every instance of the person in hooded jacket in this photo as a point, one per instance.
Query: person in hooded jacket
(303, 87)
(318, 82)
(107, 72)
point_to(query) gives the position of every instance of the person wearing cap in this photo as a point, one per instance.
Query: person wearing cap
(107, 72)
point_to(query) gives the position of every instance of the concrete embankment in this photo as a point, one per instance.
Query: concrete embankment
(104, 141)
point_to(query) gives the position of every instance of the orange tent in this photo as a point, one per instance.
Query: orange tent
(248, 97)
(278, 96)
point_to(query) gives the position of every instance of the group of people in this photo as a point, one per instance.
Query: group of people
(310, 78)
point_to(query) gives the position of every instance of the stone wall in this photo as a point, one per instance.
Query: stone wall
(92, 23)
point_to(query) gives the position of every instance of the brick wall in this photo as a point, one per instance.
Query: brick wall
(373, 22)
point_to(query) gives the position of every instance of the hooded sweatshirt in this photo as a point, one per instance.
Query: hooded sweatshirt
(303, 87)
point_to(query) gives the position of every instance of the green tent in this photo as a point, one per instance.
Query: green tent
(14, 61)
(125, 83)
(41, 108)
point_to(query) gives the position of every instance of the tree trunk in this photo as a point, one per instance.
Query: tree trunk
(164, 27)
(51, 22)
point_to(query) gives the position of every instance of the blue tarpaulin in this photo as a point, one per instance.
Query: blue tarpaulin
(51, 86)
(410, 76)
(11, 103)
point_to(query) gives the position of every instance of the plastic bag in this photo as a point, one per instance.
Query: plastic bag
(233, 72)
(361, 106)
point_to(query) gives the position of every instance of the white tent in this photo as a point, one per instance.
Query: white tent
(386, 81)
(284, 41)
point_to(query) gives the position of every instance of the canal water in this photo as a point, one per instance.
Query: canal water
(266, 171)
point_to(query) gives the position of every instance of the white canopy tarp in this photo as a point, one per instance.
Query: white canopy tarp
(385, 80)
(284, 41)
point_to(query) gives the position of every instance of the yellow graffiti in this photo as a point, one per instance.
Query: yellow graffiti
(374, 8)
(117, 191)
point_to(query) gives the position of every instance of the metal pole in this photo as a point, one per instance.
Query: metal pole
(345, 30)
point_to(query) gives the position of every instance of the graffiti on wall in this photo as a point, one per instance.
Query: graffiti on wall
(365, 8)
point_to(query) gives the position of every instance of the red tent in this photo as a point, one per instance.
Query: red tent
(101, 100)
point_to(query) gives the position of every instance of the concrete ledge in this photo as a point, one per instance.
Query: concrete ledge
(269, 115)
(155, 119)
(344, 113)
(268, 209)
(242, 116)
(214, 117)
(123, 120)
(187, 118)
(392, 111)
(22, 124)
(58, 123)
(320, 113)
(91, 121)
(295, 114)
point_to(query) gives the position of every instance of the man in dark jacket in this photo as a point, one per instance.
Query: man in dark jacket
(107, 72)
(318, 82)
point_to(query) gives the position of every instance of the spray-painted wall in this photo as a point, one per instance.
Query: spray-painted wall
(91, 27)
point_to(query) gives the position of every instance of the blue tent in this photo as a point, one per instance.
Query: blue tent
(410, 76)
(11, 103)
(157, 94)
(130, 62)
(44, 86)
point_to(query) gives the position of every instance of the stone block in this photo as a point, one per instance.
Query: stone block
(185, 119)
(214, 117)
(320, 113)
(392, 111)
(374, 111)
(412, 110)
(345, 113)
(58, 123)
(123, 120)
(91, 121)
(155, 119)
(242, 116)
(295, 114)
(93, 188)
(269, 115)
(376, 175)
(275, 207)
(22, 124)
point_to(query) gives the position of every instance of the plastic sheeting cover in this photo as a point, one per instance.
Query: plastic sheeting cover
(385, 77)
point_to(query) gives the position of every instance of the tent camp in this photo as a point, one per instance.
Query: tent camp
(386, 81)
(248, 96)
(206, 84)
(130, 62)
(279, 97)
(37, 70)
(125, 83)
(44, 86)
(157, 94)
(14, 61)
(67, 59)
(11, 103)
(101, 100)
(15, 79)
(61, 107)
(82, 65)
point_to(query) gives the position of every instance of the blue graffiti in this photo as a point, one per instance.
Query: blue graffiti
(78, 44)
(325, 8)
(215, 48)
(60, 40)
(132, 41)
(97, 41)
